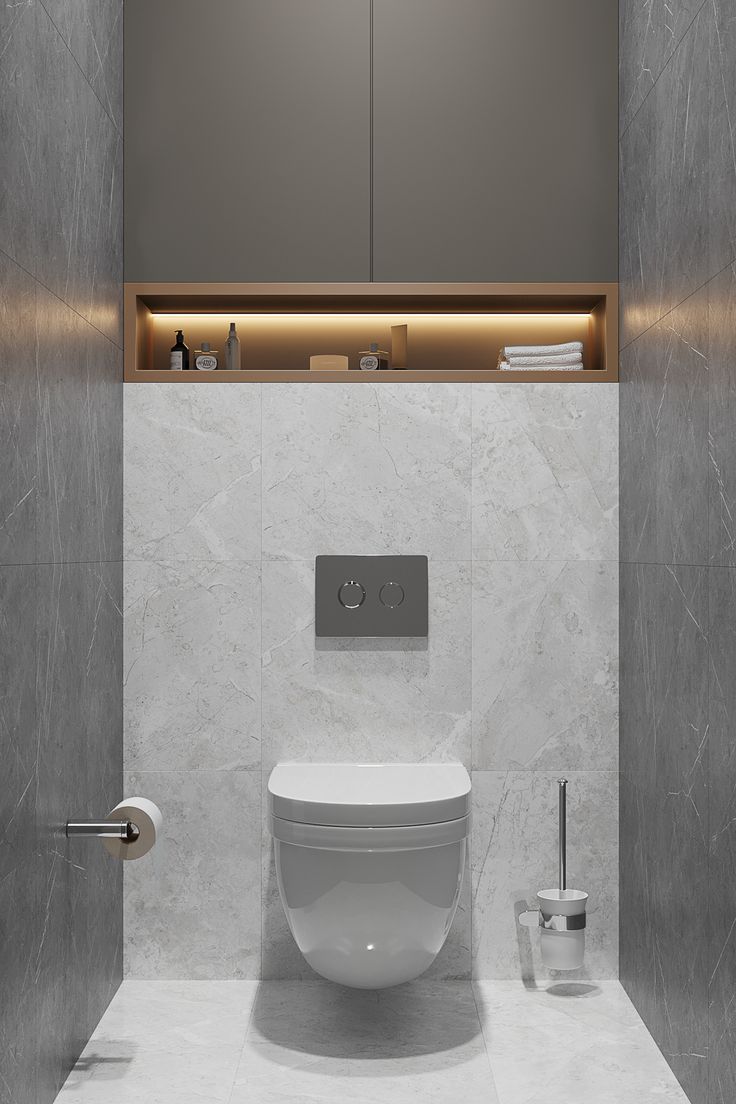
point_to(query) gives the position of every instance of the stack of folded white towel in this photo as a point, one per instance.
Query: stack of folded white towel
(539, 358)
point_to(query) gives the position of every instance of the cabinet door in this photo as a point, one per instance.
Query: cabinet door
(495, 140)
(247, 140)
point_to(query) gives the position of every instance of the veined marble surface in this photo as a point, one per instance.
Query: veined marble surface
(314, 1043)
(230, 492)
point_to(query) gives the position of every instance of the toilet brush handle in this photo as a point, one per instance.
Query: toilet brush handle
(562, 784)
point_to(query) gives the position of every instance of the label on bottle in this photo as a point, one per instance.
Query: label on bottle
(206, 363)
(369, 363)
(176, 361)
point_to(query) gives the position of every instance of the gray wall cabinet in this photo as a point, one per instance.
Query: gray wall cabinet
(340, 140)
(495, 140)
(247, 140)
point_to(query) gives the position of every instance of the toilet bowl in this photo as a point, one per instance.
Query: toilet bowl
(369, 861)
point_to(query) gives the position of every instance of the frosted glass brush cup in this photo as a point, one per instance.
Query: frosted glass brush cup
(562, 927)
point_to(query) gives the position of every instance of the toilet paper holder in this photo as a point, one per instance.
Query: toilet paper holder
(111, 829)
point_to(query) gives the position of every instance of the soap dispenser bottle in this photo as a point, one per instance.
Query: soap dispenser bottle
(179, 355)
(232, 350)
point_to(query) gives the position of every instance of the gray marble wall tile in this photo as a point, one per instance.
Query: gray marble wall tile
(79, 438)
(192, 472)
(545, 478)
(93, 31)
(192, 666)
(721, 966)
(664, 438)
(68, 236)
(664, 678)
(514, 854)
(722, 141)
(545, 666)
(78, 690)
(19, 891)
(721, 415)
(664, 952)
(193, 904)
(372, 702)
(373, 469)
(663, 250)
(649, 34)
(18, 407)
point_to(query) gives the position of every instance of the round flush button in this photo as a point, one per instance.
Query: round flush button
(391, 594)
(351, 594)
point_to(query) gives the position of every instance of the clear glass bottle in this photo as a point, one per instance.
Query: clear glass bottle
(232, 350)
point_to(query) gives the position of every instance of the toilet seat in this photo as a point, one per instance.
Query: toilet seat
(359, 795)
(408, 837)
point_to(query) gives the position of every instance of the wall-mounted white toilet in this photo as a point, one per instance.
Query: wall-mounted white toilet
(370, 862)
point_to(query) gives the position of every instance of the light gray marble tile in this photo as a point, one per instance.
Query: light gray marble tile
(193, 903)
(380, 468)
(545, 666)
(192, 472)
(569, 1043)
(311, 1042)
(165, 1041)
(514, 854)
(192, 666)
(545, 471)
(369, 701)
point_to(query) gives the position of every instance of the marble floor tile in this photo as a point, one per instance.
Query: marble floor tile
(571, 1043)
(514, 854)
(313, 1043)
(192, 666)
(367, 700)
(316, 1042)
(545, 666)
(192, 472)
(172, 1042)
(382, 468)
(192, 906)
(545, 472)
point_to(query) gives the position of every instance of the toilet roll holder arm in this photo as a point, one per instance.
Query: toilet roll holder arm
(111, 829)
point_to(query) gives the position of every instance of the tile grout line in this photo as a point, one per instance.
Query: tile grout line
(74, 310)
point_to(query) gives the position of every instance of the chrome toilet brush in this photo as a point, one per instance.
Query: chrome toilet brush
(561, 913)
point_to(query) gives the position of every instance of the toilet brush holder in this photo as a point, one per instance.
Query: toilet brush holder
(561, 915)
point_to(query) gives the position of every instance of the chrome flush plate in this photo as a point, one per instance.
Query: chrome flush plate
(371, 596)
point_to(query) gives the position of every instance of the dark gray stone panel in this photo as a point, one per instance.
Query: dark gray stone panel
(722, 139)
(19, 858)
(79, 438)
(663, 234)
(664, 463)
(663, 957)
(18, 406)
(722, 861)
(61, 186)
(79, 701)
(664, 822)
(93, 31)
(722, 418)
(649, 34)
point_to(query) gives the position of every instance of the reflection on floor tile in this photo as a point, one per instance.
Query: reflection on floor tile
(285, 1042)
(570, 1043)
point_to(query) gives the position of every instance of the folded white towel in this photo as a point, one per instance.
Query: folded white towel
(543, 350)
(545, 366)
(559, 361)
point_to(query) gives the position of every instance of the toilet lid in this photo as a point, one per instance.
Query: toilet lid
(369, 795)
